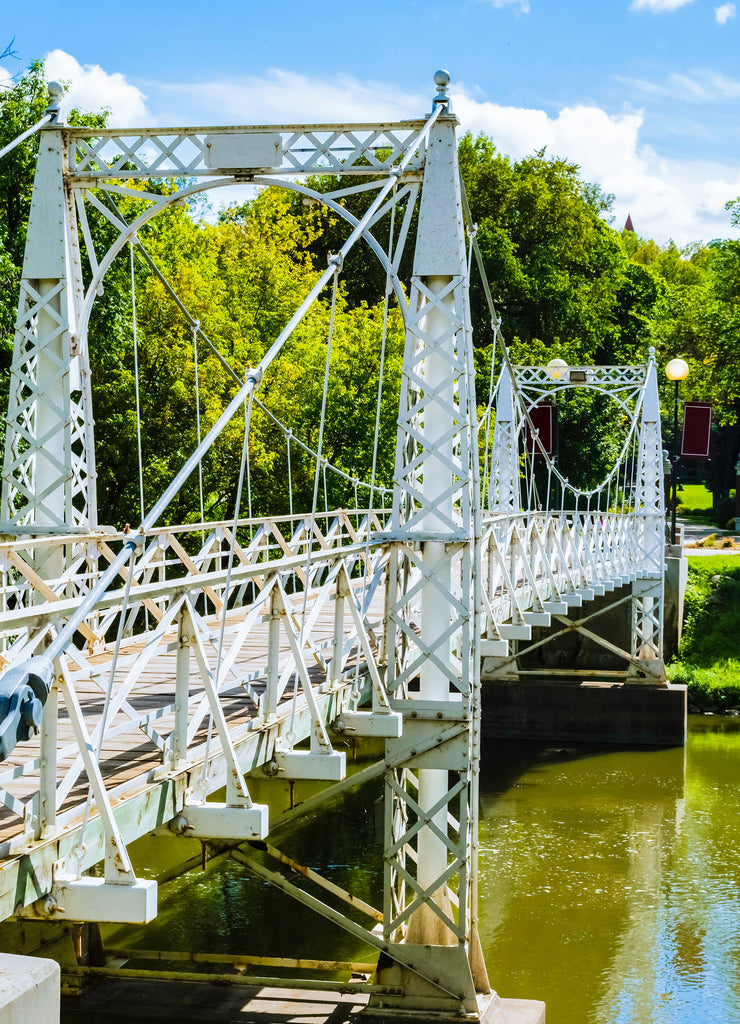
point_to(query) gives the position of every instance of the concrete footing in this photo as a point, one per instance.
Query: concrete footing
(29, 990)
(519, 1011)
(584, 713)
(498, 1011)
(167, 1001)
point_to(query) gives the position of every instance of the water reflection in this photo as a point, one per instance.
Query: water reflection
(609, 882)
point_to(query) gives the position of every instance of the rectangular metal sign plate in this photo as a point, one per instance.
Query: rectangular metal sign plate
(542, 421)
(249, 151)
(697, 430)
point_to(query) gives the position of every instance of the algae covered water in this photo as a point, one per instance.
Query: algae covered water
(609, 882)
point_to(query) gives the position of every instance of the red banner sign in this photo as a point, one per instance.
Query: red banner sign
(697, 430)
(541, 417)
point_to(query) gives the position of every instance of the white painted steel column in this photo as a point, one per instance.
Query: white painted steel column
(503, 495)
(48, 472)
(649, 514)
(179, 749)
(435, 605)
(48, 765)
(270, 698)
(431, 610)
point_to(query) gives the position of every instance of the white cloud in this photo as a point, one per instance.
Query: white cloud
(679, 199)
(92, 88)
(657, 6)
(523, 4)
(724, 12)
(683, 200)
(699, 85)
(283, 96)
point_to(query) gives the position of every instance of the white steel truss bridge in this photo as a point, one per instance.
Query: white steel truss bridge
(149, 669)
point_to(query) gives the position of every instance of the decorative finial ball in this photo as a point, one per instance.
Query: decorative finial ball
(55, 90)
(441, 79)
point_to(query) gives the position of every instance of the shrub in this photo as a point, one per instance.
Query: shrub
(724, 510)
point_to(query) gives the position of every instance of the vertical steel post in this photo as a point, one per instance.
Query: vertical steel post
(433, 680)
(270, 698)
(337, 642)
(48, 765)
(48, 472)
(179, 748)
(649, 516)
(504, 496)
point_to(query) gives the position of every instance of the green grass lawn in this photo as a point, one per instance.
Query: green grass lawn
(708, 659)
(694, 497)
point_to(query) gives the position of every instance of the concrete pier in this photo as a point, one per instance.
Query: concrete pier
(584, 713)
(29, 990)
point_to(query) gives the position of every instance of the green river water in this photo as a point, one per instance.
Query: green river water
(609, 882)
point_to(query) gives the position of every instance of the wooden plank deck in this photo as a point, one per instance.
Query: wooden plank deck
(130, 761)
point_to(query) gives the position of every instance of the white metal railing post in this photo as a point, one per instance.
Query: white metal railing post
(48, 765)
(337, 642)
(179, 741)
(270, 697)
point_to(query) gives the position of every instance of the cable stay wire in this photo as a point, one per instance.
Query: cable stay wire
(198, 331)
(46, 119)
(524, 411)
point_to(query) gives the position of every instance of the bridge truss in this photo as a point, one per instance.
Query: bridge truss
(148, 670)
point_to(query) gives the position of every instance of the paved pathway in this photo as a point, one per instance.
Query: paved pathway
(695, 532)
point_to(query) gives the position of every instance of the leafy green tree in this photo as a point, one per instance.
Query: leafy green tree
(554, 264)
(241, 278)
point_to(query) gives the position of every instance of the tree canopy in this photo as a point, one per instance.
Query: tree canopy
(564, 281)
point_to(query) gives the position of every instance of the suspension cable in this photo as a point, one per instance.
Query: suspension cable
(336, 263)
(196, 328)
(136, 379)
(103, 724)
(499, 340)
(229, 568)
(27, 134)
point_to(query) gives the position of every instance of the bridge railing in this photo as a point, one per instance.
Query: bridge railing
(303, 604)
(530, 559)
(31, 605)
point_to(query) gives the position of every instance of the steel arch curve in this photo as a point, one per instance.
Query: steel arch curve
(132, 229)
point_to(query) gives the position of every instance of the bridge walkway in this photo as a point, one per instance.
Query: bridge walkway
(190, 692)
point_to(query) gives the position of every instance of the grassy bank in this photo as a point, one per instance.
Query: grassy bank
(708, 659)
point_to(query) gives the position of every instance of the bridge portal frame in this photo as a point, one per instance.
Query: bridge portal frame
(582, 540)
(433, 535)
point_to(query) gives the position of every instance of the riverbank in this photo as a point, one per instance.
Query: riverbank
(708, 660)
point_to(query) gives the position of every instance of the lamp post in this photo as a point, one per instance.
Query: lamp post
(676, 370)
(557, 369)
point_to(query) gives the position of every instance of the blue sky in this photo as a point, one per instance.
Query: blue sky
(643, 94)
